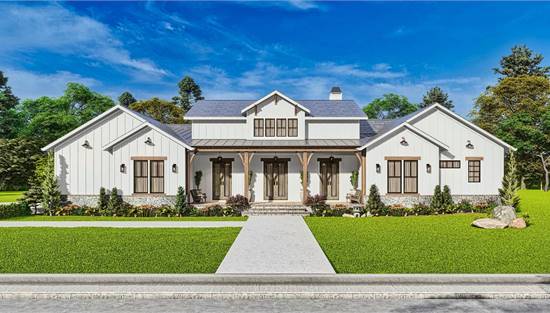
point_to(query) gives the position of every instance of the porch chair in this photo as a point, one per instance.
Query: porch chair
(354, 197)
(198, 196)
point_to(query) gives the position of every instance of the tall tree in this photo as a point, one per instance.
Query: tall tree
(189, 93)
(9, 119)
(126, 99)
(522, 61)
(17, 162)
(48, 118)
(436, 95)
(161, 110)
(389, 106)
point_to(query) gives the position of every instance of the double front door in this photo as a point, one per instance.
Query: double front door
(329, 171)
(221, 178)
(275, 179)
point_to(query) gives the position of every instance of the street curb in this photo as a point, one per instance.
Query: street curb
(274, 279)
(274, 295)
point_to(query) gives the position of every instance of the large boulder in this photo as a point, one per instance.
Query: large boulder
(505, 214)
(518, 223)
(489, 223)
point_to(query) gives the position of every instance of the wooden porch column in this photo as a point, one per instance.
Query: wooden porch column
(246, 157)
(304, 159)
(362, 169)
(189, 169)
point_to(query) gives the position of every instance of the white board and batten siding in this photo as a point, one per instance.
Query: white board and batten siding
(391, 147)
(456, 135)
(93, 168)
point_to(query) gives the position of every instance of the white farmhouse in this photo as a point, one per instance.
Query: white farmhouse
(274, 148)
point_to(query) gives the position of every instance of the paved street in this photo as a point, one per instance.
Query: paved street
(273, 305)
(275, 245)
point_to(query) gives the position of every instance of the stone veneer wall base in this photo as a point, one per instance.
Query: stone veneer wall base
(133, 200)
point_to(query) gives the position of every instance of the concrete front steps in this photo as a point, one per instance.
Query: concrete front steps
(275, 208)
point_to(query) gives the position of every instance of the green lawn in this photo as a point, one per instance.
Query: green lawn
(110, 218)
(113, 250)
(10, 196)
(437, 244)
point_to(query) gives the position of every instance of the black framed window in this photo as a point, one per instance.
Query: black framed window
(157, 176)
(281, 127)
(270, 127)
(394, 176)
(410, 176)
(258, 127)
(140, 176)
(449, 164)
(292, 127)
(474, 171)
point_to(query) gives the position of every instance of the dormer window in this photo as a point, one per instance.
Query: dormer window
(280, 127)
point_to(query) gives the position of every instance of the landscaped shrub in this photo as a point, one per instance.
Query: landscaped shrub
(465, 206)
(230, 211)
(318, 205)
(447, 200)
(215, 210)
(510, 184)
(115, 202)
(91, 211)
(102, 200)
(374, 205)
(147, 210)
(166, 210)
(14, 209)
(181, 206)
(421, 209)
(484, 207)
(238, 203)
(51, 197)
(70, 209)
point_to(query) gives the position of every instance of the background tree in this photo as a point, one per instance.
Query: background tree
(161, 110)
(436, 95)
(48, 118)
(126, 99)
(9, 119)
(17, 162)
(189, 93)
(389, 106)
(522, 61)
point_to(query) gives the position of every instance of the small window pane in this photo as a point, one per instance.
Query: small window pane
(292, 127)
(474, 171)
(140, 177)
(270, 127)
(281, 127)
(394, 176)
(157, 176)
(258, 127)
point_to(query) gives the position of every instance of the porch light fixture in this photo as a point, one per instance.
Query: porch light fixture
(86, 144)
(331, 158)
(469, 145)
(428, 168)
(378, 168)
(219, 158)
(122, 168)
(275, 158)
(174, 168)
(148, 141)
(403, 141)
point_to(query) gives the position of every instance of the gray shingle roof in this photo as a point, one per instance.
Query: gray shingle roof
(318, 108)
(275, 143)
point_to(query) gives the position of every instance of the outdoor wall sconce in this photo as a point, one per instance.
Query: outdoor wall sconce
(148, 141)
(219, 158)
(331, 158)
(469, 145)
(275, 159)
(122, 168)
(428, 168)
(86, 144)
(378, 168)
(174, 168)
(404, 142)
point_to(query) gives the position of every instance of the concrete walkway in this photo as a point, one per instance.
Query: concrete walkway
(275, 245)
(123, 224)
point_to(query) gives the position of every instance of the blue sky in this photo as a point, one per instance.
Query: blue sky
(243, 50)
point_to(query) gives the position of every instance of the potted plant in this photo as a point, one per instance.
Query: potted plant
(198, 178)
(354, 179)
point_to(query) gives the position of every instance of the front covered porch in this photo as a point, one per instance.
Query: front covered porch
(275, 174)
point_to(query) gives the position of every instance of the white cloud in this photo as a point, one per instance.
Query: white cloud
(30, 85)
(381, 70)
(56, 29)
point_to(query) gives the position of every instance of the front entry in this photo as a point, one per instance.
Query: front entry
(329, 170)
(275, 179)
(221, 178)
